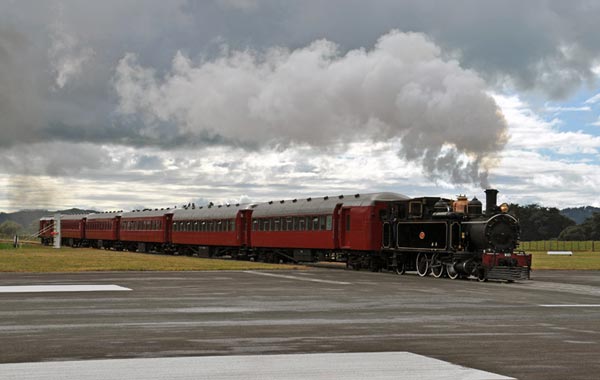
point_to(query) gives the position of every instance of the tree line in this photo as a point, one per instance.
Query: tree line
(547, 223)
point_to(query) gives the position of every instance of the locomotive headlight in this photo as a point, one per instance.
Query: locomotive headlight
(504, 208)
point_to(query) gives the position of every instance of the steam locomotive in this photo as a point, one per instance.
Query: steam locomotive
(378, 231)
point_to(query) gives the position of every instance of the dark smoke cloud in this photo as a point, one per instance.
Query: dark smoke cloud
(316, 95)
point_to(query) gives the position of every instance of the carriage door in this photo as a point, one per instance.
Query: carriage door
(345, 225)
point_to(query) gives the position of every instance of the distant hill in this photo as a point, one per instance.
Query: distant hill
(27, 217)
(579, 214)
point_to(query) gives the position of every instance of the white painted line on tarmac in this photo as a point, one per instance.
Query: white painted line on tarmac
(60, 288)
(347, 366)
(298, 278)
(570, 305)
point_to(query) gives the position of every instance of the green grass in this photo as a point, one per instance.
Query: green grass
(579, 260)
(36, 258)
(556, 245)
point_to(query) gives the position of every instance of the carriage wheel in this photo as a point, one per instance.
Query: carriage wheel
(437, 268)
(452, 273)
(422, 265)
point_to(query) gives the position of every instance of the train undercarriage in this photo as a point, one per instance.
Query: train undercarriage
(453, 265)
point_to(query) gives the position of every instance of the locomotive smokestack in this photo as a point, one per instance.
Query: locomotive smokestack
(491, 198)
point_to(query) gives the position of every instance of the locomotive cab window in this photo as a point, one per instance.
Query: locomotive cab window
(415, 209)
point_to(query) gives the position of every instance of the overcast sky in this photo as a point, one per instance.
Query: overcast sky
(127, 104)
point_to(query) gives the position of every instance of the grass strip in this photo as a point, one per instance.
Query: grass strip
(579, 260)
(38, 259)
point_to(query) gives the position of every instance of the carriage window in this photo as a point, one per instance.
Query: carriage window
(315, 223)
(232, 225)
(322, 222)
(175, 229)
(328, 222)
(219, 226)
(255, 225)
(196, 226)
(301, 224)
(276, 223)
(308, 221)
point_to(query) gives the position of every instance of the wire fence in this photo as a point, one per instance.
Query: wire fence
(556, 245)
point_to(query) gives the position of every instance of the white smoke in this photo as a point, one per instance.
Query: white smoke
(315, 95)
(67, 56)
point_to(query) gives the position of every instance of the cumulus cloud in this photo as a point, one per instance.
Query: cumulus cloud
(315, 95)
(530, 131)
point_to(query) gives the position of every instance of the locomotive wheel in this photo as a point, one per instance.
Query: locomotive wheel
(401, 268)
(481, 277)
(437, 268)
(452, 273)
(422, 265)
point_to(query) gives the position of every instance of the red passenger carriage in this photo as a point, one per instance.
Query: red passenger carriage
(211, 231)
(145, 231)
(46, 232)
(102, 230)
(302, 229)
(72, 229)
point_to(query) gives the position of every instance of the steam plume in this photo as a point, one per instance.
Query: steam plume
(402, 88)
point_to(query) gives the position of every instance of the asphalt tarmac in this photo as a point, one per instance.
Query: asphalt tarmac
(547, 328)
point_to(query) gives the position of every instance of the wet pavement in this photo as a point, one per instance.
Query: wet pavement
(547, 328)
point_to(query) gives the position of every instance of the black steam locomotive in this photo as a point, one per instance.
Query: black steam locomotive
(453, 238)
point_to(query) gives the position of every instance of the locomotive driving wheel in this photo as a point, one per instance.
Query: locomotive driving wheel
(482, 275)
(422, 264)
(401, 268)
(452, 273)
(437, 268)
